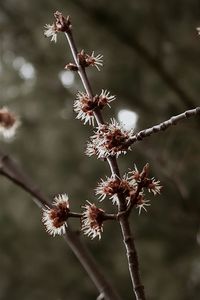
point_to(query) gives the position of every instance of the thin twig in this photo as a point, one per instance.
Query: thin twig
(162, 126)
(105, 216)
(128, 239)
(10, 170)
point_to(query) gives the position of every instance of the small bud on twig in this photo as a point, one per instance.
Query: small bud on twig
(86, 60)
(71, 67)
(62, 24)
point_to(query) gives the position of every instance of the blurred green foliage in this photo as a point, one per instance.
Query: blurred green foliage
(50, 143)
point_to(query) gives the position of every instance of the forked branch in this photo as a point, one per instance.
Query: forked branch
(10, 170)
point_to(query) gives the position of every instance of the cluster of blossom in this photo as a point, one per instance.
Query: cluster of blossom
(84, 106)
(112, 187)
(9, 122)
(131, 186)
(55, 218)
(109, 140)
(63, 24)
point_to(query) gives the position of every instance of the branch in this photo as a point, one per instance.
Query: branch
(163, 126)
(10, 170)
(105, 216)
(128, 239)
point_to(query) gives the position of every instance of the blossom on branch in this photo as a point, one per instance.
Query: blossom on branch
(85, 106)
(154, 186)
(86, 60)
(55, 218)
(112, 187)
(9, 122)
(142, 203)
(105, 98)
(92, 220)
(51, 31)
(151, 184)
(61, 24)
(141, 180)
(109, 140)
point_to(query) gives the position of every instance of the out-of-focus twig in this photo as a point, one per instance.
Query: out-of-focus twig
(10, 170)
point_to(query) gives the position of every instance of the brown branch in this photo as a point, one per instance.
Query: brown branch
(104, 18)
(162, 126)
(124, 223)
(105, 216)
(10, 170)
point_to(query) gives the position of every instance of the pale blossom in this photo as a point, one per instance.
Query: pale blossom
(9, 123)
(55, 218)
(51, 31)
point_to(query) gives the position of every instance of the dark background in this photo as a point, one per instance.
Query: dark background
(151, 63)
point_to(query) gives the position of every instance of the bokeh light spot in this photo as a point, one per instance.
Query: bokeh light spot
(128, 118)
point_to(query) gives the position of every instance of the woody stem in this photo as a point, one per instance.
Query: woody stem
(128, 239)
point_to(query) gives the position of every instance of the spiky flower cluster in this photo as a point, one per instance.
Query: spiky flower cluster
(131, 187)
(109, 140)
(61, 24)
(113, 186)
(92, 220)
(86, 60)
(84, 106)
(9, 122)
(55, 218)
(152, 185)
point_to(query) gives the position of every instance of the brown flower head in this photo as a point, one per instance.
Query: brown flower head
(142, 203)
(9, 122)
(86, 60)
(62, 24)
(92, 220)
(84, 106)
(112, 187)
(154, 186)
(136, 176)
(55, 218)
(110, 140)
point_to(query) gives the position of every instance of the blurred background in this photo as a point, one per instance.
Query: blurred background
(151, 63)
